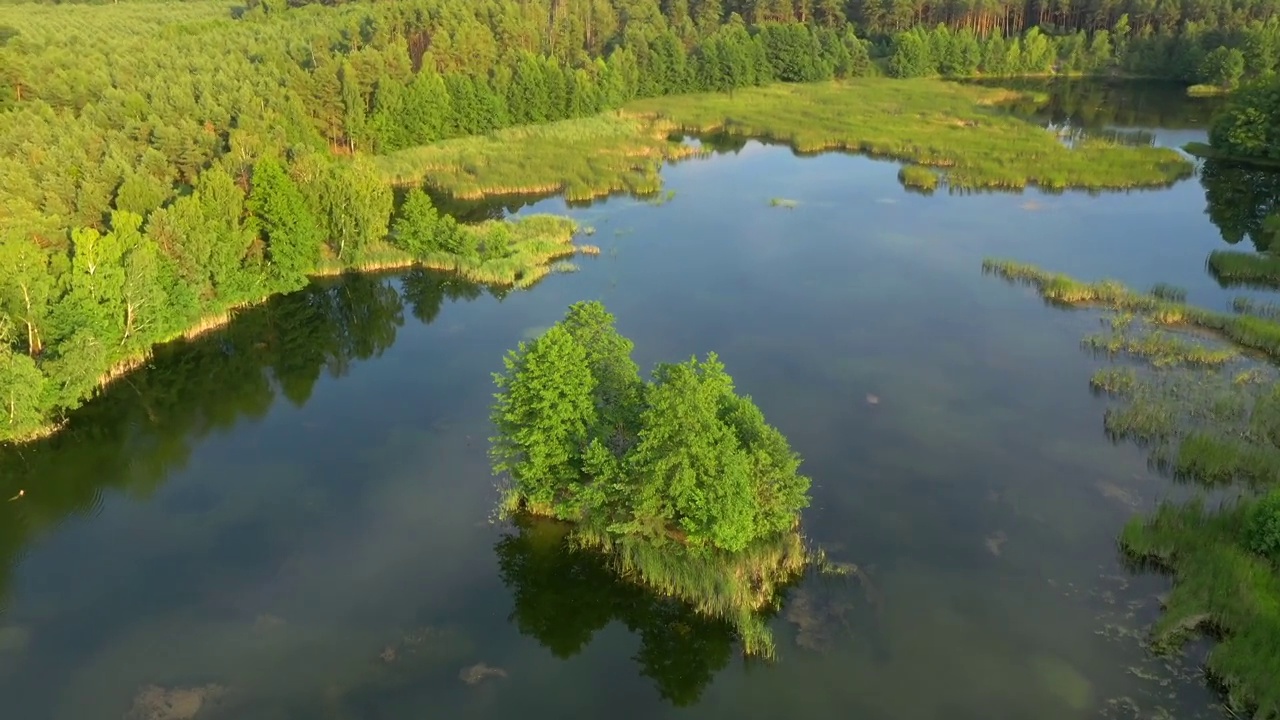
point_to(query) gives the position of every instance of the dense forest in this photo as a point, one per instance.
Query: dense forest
(164, 162)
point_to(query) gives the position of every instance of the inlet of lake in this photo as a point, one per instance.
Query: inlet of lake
(292, 517)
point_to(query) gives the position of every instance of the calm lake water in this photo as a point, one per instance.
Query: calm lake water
(291, 518)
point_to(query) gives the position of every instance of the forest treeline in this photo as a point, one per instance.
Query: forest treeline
(162, 162)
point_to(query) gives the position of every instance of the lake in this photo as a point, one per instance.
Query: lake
(292, 518)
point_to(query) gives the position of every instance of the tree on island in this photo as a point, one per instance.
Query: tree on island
(680, 459)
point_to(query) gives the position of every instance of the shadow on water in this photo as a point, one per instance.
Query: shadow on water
(1095, 105)
(142, 429)
(1239, 199)
(563, 596)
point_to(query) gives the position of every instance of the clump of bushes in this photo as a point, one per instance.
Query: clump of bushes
(1263, 529)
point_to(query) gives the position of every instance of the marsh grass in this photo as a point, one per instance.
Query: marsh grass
(1249, 306)
(918, 178)
(1171, 293)
(1222, 588)
(583, 159)
(1116, 381)
(1160, 349)
(741, 588)
(1252, 332)
(533, 243)
(1215, 424)
(1233, 268)
(959, 130)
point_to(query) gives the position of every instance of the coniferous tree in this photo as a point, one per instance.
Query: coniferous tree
(288, 226)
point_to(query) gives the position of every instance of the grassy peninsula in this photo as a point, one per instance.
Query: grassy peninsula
(679, 479)
(582, 159)
(949, 133)
(957, 130)
(1215, 423)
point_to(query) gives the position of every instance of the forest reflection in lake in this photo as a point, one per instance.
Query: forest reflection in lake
(293, 510)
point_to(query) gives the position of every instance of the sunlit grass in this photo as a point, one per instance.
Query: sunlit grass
(918, 178)
(957, 129)
(1160, 349)
(1249, 331)
(1221, 587)
(583, 159)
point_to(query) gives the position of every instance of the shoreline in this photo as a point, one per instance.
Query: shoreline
(218, 320)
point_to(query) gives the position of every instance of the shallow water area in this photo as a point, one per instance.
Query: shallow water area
(291, 518)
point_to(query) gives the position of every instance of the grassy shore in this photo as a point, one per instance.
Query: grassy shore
(1222, 588)
(956, 129)
(1208, 415)
(950, 133)
(533, 245)
(583, 159)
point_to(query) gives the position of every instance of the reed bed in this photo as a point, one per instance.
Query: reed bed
(960, 130)
(735, 587)
(1249, 331)
(1249, 306)
(534, 242)
(582, 159)
(1172, 293)
(1234, 268)
(918, 178)
(1216, 424)
(1161, 349)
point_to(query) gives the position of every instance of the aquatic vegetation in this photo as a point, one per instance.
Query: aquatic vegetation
(959, 130)
(1119, 381)
(1249, 306)
(1214, 423)
(1249, 331)
(1231, 267)
(783, 203)
(680, 479)
(1223, 587)
(1160, 348)
(564, 593)
(918, 178)
(582, 159)
(1172, 293)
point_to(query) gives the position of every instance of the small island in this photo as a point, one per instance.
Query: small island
(679, 480)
